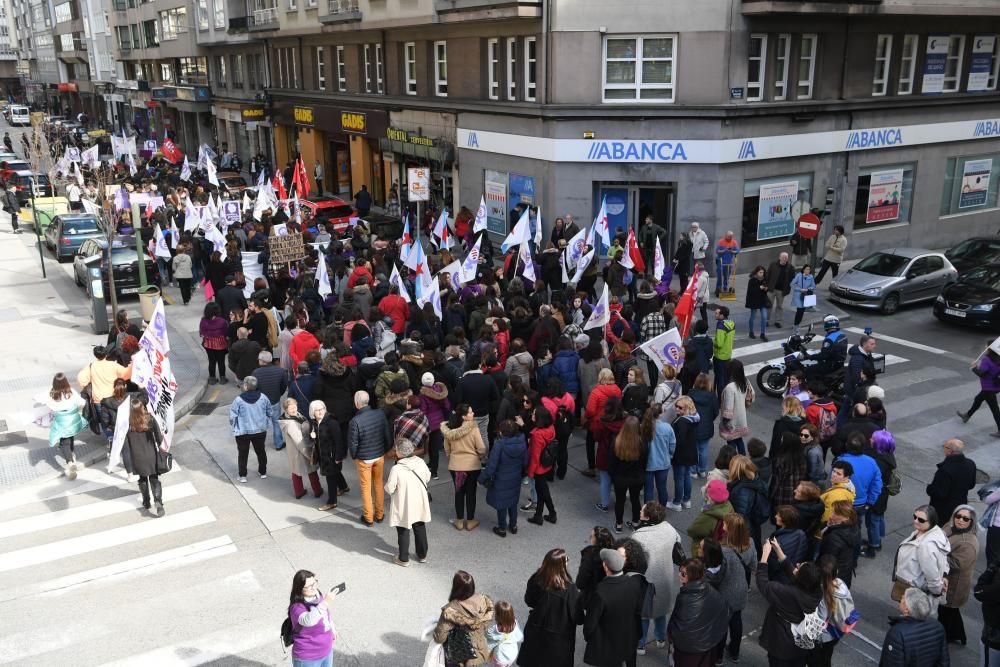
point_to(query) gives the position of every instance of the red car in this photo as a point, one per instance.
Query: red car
(330, 210)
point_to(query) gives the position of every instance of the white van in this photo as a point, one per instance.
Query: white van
(19, 115)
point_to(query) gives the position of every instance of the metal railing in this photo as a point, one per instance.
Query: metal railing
(265, 16)
(342, 6)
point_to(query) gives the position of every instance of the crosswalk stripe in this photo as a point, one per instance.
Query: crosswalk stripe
(53, 551)
(88, 512)
(750, 350)
(752, 369)
(223, 646)
(901, 341)
(145, 565)
(18, 647)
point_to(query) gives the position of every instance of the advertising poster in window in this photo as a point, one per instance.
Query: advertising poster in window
(975, 183)
(522, 190)
(616, 205)
(884, 195)
(934, 64)
(496, 202)
(981, 66)
(774, 212)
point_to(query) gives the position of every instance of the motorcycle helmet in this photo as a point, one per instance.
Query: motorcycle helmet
(831, 323)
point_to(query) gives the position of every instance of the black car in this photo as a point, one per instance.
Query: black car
(125, 258)
(973, 299)
(22, 184)
(976, 251)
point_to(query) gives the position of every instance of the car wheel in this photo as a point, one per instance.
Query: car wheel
(891, 304)
(76, 279)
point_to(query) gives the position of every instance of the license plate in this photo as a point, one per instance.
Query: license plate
(954, 313)
(130, 290)
(847, 301)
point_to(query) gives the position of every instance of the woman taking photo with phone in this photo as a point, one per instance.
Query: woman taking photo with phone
(313, 633)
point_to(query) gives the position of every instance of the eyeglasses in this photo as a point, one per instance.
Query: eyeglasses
(805, 434)
(919, 519)
(962, 517)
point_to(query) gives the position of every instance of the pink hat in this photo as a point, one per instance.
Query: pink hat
(717, 491)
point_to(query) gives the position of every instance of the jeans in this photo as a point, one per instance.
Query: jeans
(319, 662)
(682, 483)
(633, 491)
(605, 477)
(659, 630)
(370, 479)
(507, 518)
(484, 428)
(876, 528)
(739, 445)
(657, 480)
(166, 271)
(216, 362)
(465, 495)
(243, 443)
(990, 399)
(703, 455)
(763, 319)
(403, 540)
(833, 267)
(777, 299)
(862, 511)
(279, 440)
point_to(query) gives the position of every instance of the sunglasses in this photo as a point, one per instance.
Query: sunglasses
(805, 434)
(919, 519)
(962, 517)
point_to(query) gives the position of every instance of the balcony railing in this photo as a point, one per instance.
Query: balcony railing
(813, 7)
(341, 11)
(265, 17)
(342, 6)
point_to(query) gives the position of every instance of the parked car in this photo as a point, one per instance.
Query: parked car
(976, 251)
(232, 181)
(330, 210)
(122, 255)
(67, 234)
(886, 279)
(23, 182)
(18, 115)
(973, 299)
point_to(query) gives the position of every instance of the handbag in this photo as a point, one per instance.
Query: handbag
(898, 588)
(164, 460)
(458, 647)
(429, 497)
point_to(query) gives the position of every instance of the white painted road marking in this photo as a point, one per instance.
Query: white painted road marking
(751, 350)
(752, 369)
(223, 645)
(901, 341)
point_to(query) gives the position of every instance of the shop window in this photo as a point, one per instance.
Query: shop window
(441, 69)
(770, 207)
(969, 184)
(166, 73)
(991, 83)
(807, 66)
(639, 68)
(530, 68)
(883, 56)
(953, 64)
(782, 52)
(908, 64)
(493, 68)
(512, 68)
(756, 60)
(884, 195)
(410, 65)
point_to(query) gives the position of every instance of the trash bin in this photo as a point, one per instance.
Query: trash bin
(147, 299)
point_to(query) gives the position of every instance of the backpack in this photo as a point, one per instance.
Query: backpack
(827, 424)
(547, 458)
(564, 424)
(808, 630)
(287, 635)
(895, 483)
(760, 512)
(458, 647)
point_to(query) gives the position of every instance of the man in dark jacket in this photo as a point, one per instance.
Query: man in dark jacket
(612, 624)
(481, 393)
(955, 477)
(858, 423)
(243, 354)
(368, 439)
(779, 283)
(915, 639)
(651, 234)
(272, 381)
(231, 297)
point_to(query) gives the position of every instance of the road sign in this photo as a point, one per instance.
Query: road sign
(418, 184)
(808, 225)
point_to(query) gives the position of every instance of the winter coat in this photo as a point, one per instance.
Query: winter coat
(550, 631)
(866, 478)
(764, 469)
(840, 491)
(505, 467)
(913, 643)
(730, 579)
(336, 390)
(611, 626)
(661, 448)
(955, 477)
(538, 440)
(297, 433)
(801, 282)
(250, 413)
(886, 464)
(243, 357)
(707, 404)
(635, 399)
(67, 420)
(301, 344)
(368, 434)
(863, 425)
(521, 364)
(407, 485)
(182, 266)
(332, 446)
(810, 513)
(565, 364)
(787, 424)
(591, 570)
(785, 476)
(836, 244)
(987, 591)
(605, 433)
(815, 467)
(476, 614)
(142, 446)
(384, 381)
(704, 524)
(841, 540)
(659, 542)
(757, 293)
(596, 401)
(749, 498)
(961, 563)
(435, 405)
(301, 389)
(464, 446)
(795, 544)
(588, 371)
(629, 473)
(786, 605)
(700, 619)
(686, 433)
(480, 391)
(704, 349)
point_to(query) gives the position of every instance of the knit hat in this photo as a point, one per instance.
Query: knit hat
(427, 380)
(614, 560)
(875, 391)
(717, 492)
(582, 340)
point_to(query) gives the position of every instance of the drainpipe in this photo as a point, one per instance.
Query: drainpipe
(546, 27)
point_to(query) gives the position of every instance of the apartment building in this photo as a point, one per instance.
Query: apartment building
(10, 81)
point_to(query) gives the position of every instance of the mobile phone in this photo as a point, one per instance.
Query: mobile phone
(339, 588)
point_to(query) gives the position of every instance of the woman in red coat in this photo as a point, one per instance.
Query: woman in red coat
(539, 438)
(605, 431)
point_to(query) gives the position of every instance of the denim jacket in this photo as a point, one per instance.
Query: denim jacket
(250, 413)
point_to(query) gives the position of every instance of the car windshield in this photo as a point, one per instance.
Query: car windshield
(234, 182)
(342, 211)
(123, 255)
(72, 227)
(883, 264)
(983, 276)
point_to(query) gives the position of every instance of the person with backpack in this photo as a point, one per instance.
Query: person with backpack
(748, 495)
(883, 451)
(710, 522)
(561, 405)
(685, 456)
(788, 606)
(627, 468)
(502, 476)
(822, 413)
(309, 627)
(542, 454)
(462, 625)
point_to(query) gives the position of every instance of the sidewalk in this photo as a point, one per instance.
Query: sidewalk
(45, 325)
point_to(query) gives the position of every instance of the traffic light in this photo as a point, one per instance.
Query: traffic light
(829, 201)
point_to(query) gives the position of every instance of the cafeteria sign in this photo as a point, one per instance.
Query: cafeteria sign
(884, 195)
(304, 116)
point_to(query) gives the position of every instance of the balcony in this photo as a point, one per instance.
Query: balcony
(341, 11)
(463, 10)
(924, 8)
(263, 19)
(239, 24)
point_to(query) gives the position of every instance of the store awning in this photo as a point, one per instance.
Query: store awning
(443, 153)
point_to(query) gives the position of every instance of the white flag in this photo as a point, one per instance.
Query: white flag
(562, 263)
(666, 349)
(175, 233)
(659, 264)
(90, 207)
(247, 203)
(213, 234)
(397, 280)
(91, 157)
(480, 223)
(131, 164)
(323, 277)
(79, 174)
(582, 266)
(212, 178)
(520, 233)
(471, 264)
(441, 226)
(454, 271)
(601, 315)
(190, 215)
(151, 371)
(524, 254)
(576, 248)
(186, 170)
(432, 295)
(538, 227)
(161, 243)
(601, 223)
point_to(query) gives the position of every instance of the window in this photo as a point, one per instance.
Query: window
(166, 72)
(220, 71)
(252, 71)
(640, 69)
(202, 14)
(807, 66)
(236, 70)
(970, 185)
(310, 3)
(883, 56)
(410, 50)
(292, 5)
(908, 64)
(66, 41)
(756, 55)
(780, 225)
(511, 68)
(150, 34)
(379, 70)
(220, 14)
(320, 68)
(136, 39)
(530, 68)
(341, 70)
(953, 64)
(493, 68)
(192, 71)
(441, 69)
(870, 206)
(64, 12)
(368, 67)
(991, 82)
(782, 50)
(124, 37)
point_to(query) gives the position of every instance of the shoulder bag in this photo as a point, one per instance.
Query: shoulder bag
(429, 497)
(164, 460)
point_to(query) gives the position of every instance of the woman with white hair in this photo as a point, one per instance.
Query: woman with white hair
(299, 433)
(411, 506)
(250, 418)
(331, 450)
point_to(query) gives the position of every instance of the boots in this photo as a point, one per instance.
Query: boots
(157, 496)
(144, 489)
(964, 416)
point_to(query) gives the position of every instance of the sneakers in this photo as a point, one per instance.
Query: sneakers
(641, 650)
(618, 528)
(435, 476)
(529, 506)
(661, 644)
(525, 481)
(422, 560)
(263, 475)
(631, 526)
(600, 507)
(687, 504)
(243, 480)
(694, 475)
(673, 506)
(401, 563)
(213, 381)
(703, 475)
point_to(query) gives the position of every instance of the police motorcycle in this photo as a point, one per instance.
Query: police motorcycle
(772, 379)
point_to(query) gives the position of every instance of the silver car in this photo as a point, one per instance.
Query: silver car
(889, 278)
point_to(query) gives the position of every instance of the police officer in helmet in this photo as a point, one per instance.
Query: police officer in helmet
(833, 354)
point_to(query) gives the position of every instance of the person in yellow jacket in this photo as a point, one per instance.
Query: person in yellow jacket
(841, 488)
(722, 347)
(101, 374)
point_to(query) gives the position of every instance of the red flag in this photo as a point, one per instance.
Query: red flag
(684, 311)
(634, 253)
(302, 187)
(279, 187)
(171, 152)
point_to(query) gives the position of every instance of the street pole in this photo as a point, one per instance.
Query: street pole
(142, 257)
(34, 223)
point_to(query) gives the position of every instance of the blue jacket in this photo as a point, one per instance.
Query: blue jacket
(564, 365)
(867, 478)
(708, 410)
(662, 447)
(913, 643)
(799, 283)
(704, 348)
(506, 465)
(301, 389)
(250, 413)
(368, 434)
